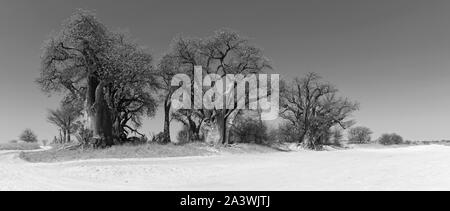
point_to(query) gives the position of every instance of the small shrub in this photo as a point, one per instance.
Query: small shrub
(135, 141)
(84, 136)
(248, 130)
(186, 136)
(288, 133)
(28, 136)
(359, 135)
(44, 142)
(183, 135)
(273, 135)
(390, 139)
(160, 138)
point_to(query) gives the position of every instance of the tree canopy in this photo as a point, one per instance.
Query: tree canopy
(112, 75)
(313, 107)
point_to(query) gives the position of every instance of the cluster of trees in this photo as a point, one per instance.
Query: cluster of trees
(112, 83)
(362, 135)
(109, 84)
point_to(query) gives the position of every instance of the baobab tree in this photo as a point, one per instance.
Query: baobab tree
(222, 54)
(110, 74)
(167, 69)
(313, 107)
(181, 58)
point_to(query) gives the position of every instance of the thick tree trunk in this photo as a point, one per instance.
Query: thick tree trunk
(221, 127)
(193, 131)
(312, 141)
(166, 138)
(60, 140)
(308, 144)
(103, 123)
(97, 114)
(196, 132)
(64, 138)
(90, 101)
(302, 137)
(118, 131)
(68, 136)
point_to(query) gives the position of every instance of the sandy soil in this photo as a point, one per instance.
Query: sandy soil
(409, 168)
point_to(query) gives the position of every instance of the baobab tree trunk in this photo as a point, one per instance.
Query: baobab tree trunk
(221, 127)
(167, 105)
(60, 140)
(194, 131)
(302, 137)
(98, 116)
(92, 83)
(222, 121)
(67, 134)
(103, 123)
(308, 144)
(64, 138)
(118, 131)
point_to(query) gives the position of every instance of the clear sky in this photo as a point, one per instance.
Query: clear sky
(393, 56)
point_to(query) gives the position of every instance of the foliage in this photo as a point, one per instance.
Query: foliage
(288, 133)
(183, 135)
(84, 136)
(28, 136)
(359, 135)
(390, 139)
(249, 130)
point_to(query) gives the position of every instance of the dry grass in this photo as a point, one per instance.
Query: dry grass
(19, 146)
(59, 154)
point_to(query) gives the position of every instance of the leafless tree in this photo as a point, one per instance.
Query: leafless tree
(313, 107)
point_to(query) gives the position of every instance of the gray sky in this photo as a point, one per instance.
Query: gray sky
(393, 56)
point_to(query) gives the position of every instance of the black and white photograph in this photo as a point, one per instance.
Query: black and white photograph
(244, 96)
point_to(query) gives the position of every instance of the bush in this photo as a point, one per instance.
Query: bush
(84, 136)
(288, 133)
(359, 135)
(44, 142)
(249, 130)
(19, 146)
(390, 139)
(28, 136)
(135, 141)
(183, 135)
(186, 136)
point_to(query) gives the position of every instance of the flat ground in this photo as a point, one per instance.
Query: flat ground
(404, 168)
